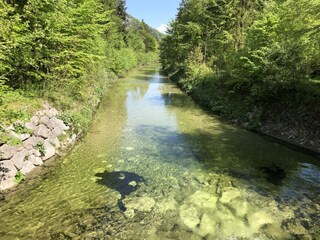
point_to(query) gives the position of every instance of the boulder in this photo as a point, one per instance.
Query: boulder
(203, 200)
(53, 139)
(30, 126)
(7, 183)
(46, 121)
(258, 219)
(35, 120)
(59, 123)
(228, 194)
(7, 151)
(35, 160)
(18, 159)
(189, 216)
(25, 136)
(30, 143)
(42, 131)
(52, 112)
(8, 169)
(50, 150)
(27, 167)
(207, 226)
(142, 204)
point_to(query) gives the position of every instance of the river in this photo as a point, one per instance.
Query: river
(154, 165)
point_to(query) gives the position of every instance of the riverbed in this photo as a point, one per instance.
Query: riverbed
(154, 165)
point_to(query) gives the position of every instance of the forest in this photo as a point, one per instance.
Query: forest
(249, 61)
(63, 52)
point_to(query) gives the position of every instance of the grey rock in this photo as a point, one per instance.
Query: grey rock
(35, 120)
(42, 131)
(30, 126)
(59, 123)
(7, 151)
(25, 136)
(7, 183)
(37, 161)
(30, 143)
(37, 153)
(27, 167)
(12, 134)
(18, 159)
(50, 150)
(53, 139)
(52, 112)
(46, 121)
(8, 169)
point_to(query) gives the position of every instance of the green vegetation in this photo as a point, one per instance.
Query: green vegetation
(40, 147)
(19, 177)
(64, 52)
(240, 57)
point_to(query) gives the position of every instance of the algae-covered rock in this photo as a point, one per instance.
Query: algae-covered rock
(228, 194)
(207, 225)
(203, 200)
(189, 216)
(258, 219)
(143, 204)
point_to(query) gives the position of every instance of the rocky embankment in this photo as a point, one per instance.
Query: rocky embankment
(32, 143)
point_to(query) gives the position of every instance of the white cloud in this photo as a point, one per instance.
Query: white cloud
(163, 28)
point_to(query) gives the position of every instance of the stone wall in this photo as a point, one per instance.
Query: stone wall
(40, 143)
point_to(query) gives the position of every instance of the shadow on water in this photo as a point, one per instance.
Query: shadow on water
(123, 182)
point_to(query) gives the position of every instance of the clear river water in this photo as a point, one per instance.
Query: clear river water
(156, 166)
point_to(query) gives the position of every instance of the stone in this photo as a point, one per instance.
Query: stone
(46, 121)
(59, 123)
(203, 200)
(50, 150)
(42, 131)
(166, 205)
(207, 226)
(240, 206)
(7, 183)
(228, 194)
(37, 153)
(18, 159)
(31, 126)
(25, 136)
(30, 143)
(52, 112)
(189, 216)
(7, 151)
(27, 167)
(35, 160)
(12, 134)
(8, 169)
(35, 120)
(258, 219)
(142, 204)
(53, 139)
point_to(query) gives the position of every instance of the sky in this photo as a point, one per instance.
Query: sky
(156, 13)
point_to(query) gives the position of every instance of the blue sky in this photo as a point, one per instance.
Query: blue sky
(156, 13)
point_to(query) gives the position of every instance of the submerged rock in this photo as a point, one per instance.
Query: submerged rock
(258, 219)
(189, 216)
(143, 204)
(228, 194)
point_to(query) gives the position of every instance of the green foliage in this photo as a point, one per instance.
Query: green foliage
(19, 128)
(63, 51)
(41, 148)
(250, 53)
(5, 138)
(20, 177)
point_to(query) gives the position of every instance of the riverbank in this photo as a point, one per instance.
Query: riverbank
(296, 124)
(45, 129)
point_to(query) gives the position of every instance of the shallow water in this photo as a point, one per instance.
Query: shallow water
(156, 166)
